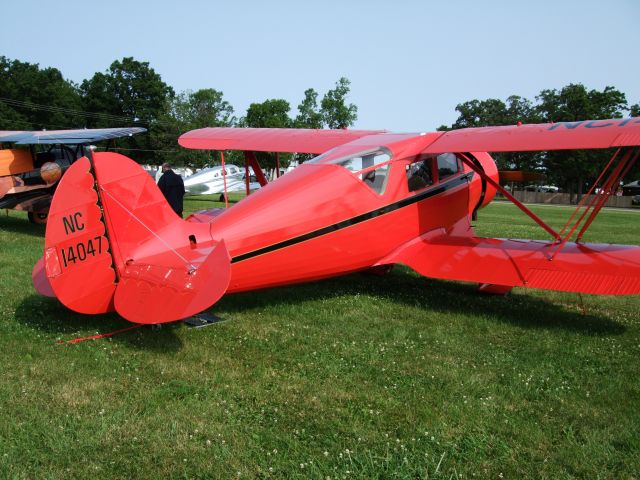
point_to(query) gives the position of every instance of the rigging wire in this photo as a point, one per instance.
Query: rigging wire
(82, 113)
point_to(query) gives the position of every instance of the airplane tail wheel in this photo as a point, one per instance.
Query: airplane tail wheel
(39, 218)
(221, 199)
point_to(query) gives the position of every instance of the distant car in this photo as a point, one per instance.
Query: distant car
(542, 188)
(635, 200)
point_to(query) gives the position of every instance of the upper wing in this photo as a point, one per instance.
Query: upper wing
(67, 137)
(270, 139)
(587, 134)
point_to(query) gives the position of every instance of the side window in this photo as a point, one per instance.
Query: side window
(447, 165)
(420, 174)
(372, 167)
(377, 179)
(365, 160)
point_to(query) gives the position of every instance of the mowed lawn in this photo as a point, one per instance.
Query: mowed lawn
(356, 377)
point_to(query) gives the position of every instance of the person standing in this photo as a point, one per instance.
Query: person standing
(172, 187)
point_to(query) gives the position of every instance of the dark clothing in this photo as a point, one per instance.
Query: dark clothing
(172, 187)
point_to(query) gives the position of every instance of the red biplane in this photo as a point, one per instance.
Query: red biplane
(29, 177)
(370, 200)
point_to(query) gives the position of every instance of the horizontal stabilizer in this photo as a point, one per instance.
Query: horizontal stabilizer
(603, 269)
(158, 294)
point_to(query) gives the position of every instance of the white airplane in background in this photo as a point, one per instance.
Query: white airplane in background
(211, 180)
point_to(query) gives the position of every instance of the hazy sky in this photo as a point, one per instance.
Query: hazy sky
(409, 62)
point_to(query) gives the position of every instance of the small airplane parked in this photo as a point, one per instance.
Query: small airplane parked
(370, 200)
(28, 177)
(211, 180)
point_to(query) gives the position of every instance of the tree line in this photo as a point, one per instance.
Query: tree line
(132, 93)
(573, 170)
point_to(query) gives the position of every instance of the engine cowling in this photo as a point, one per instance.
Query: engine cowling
(480, 191)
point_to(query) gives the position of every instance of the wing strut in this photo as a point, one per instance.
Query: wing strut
(598, 201)
(467, 161)
(593, 208)
(609, 189)
(250, 159)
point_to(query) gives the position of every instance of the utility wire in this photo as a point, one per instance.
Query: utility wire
(95, 115)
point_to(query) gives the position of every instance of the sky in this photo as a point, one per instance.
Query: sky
(409, 62)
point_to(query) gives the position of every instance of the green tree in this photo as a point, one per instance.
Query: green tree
(578, 169)
(129, 89)
(34, 98)
(191, 110)
(635, 110)
(132, 93)
(495, 112)
(273, 113)
(335, 112)
(308, 114)
(203, 108)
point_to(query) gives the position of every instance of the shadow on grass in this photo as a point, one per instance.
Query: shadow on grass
(406, 288)
(49, 316)
(399, 287)
(21, 225)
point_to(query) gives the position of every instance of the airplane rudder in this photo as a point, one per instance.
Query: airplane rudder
(77, 254)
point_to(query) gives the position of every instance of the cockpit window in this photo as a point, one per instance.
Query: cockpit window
(365, 163)
(447, 165)
(371, 166)
(421, 173)
(364, 160)
(354, 161)
(376, 179)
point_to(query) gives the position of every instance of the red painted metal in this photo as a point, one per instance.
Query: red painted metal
(270, 139)
(250, 158)
(318, 221)
(584, 268)
(224, 180)
(627, 162)
(595, 201)
(591, 190)
(588, 134)
(247, 177)
(77, 257)
(513, 199)
(40, 280)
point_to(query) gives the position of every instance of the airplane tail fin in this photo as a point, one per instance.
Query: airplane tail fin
(114, 243)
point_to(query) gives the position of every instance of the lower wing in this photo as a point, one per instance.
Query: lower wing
(603, 269)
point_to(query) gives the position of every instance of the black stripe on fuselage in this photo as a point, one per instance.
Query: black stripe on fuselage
(436, 190)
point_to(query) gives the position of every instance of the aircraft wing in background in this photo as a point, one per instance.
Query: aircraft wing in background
(67, 137)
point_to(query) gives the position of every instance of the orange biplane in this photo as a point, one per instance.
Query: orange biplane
(371, 199)
(28, 177)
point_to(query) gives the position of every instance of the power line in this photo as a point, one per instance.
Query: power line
(95, 115)
(140, 150)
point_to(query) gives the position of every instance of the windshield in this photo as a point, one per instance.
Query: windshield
(355, 161)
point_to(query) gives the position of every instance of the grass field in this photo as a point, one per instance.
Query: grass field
(355, 377)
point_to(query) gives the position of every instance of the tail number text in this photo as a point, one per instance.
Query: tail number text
(81, 251)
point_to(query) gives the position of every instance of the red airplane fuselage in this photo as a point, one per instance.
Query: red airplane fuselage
(322, 220)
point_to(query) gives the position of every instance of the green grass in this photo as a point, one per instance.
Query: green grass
(360, 376)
